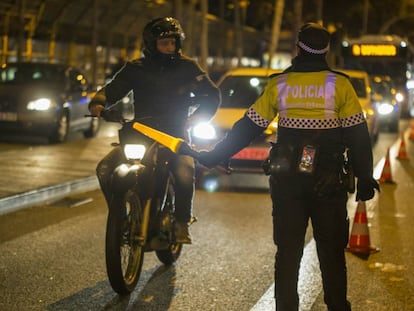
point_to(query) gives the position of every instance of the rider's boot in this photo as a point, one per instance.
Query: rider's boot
(182, 233)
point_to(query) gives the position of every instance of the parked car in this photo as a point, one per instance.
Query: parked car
(47, 100)
(385, 97)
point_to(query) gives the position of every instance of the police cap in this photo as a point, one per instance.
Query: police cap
(313, 39)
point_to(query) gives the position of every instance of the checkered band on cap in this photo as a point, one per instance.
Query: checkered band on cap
(308, 49)
(256, 118)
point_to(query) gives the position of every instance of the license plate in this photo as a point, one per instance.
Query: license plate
(252, 154)
(8, 116)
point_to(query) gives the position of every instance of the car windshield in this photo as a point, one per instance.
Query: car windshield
(23, 73)
(241, 91)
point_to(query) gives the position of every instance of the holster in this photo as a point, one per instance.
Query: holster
(348, 173)
(338, 177)
(279, 160)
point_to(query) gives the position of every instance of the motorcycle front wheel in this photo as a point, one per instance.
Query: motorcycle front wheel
(170, 255)
(124, 253)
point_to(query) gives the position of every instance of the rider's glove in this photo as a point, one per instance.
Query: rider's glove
(365, 189)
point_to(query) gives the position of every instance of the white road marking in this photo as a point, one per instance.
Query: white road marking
(309, 284)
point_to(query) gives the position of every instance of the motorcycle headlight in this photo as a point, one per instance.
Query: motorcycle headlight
(385, 108)
(204, 131)
(41, 104)
(134, 152)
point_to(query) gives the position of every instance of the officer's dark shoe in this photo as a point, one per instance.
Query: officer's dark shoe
(182, 233)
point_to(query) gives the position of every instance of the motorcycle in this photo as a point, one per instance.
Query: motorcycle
(141, 208)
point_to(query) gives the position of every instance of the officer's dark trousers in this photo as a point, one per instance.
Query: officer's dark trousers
(182, 168)
(294, 203)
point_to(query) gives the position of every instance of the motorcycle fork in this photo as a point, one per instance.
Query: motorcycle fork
(145, 221)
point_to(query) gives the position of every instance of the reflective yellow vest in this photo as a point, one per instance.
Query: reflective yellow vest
(308, 100)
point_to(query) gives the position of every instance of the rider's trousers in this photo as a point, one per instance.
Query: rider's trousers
(181, 167)
(294, 204)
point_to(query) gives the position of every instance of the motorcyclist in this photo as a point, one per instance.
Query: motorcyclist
(167, 86)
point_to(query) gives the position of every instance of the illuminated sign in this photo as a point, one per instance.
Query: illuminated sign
(374, 50)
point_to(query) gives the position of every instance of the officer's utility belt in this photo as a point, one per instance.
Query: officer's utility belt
(288, 159)
(285, 158)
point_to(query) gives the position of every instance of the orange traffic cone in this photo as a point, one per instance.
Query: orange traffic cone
(402, 153)
(386, 176)
(359, 242)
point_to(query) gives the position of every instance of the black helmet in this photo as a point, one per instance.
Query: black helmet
(164, 27)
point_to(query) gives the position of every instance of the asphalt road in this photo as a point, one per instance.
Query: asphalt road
(52, 258)
(52, 255)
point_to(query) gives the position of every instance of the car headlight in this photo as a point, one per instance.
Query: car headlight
(134, 151)
(41, 104)
(399, 97)
(204, 131)
(385, 108)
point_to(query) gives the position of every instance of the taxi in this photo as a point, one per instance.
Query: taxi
(361, 82)
(239, 89)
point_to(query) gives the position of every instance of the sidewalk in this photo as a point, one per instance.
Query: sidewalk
(34, 174)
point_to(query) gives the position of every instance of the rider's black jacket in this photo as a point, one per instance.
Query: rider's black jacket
(164, 92)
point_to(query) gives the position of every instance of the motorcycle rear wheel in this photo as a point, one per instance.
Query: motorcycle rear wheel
(124, 254)
(170, 255)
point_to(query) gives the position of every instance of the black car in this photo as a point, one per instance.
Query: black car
(47, 100)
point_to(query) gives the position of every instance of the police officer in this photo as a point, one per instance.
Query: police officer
(166, 86)
(319, 117)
